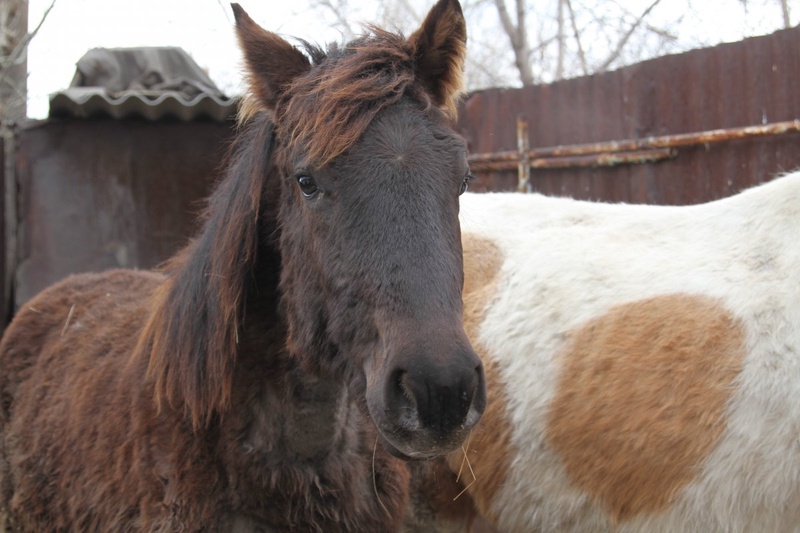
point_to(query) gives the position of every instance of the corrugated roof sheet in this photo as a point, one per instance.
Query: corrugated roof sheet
(151, 83)
(92, 102)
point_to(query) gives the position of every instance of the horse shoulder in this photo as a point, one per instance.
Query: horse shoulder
(71, 314)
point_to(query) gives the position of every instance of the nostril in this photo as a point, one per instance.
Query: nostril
(402, 391)
(401, 386)
(477, 402)
(403, 404)
(478, 383)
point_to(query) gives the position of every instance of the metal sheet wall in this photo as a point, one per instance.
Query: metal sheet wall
(99, 194)
(732, 85)
(5, 285)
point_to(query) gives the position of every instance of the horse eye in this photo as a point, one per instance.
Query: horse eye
(465, 184)
(308, 186)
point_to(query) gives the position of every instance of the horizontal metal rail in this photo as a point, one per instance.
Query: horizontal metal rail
(589, 160)
(644, 143)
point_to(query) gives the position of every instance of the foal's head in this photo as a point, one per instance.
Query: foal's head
(370, 174)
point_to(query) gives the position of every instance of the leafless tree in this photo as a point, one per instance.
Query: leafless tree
(14, 40)
(787, 19)
(515, 42)
(13, 27)
(517, 32)
(564, 28)
(786, 14)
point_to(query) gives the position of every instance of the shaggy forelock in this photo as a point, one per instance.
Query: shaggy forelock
(328, 109)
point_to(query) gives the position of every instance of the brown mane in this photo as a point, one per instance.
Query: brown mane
(191, 336)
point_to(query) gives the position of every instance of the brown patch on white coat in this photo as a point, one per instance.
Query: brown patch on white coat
(439, 501)
(489, 447)
(641, 399)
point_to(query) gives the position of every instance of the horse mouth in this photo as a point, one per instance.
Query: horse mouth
(420, 445)
(411, 456)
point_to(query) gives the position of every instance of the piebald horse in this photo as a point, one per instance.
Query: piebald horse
(642, 363)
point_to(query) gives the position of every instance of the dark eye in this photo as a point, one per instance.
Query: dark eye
(308, 185)
(465, 184)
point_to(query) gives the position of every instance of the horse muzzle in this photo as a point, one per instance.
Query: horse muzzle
(428, 397)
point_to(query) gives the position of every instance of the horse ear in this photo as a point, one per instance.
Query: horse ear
(440, 48)
(272, 63)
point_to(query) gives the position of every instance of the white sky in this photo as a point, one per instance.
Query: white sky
(204, 28)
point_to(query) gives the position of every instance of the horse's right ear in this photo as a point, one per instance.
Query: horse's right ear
(272, 63)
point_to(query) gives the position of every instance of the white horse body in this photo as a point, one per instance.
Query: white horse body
(647, 361)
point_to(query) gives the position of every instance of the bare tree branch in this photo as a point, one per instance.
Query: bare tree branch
(614, 55)
(412, 11)
(484, 74)
(340, 12)
(517, 34)
(226, 10)
(20, 50)
(562, 44)
(661, 32)
(577, 35)
(787, 19)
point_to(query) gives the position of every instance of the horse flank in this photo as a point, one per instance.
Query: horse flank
(641, 362)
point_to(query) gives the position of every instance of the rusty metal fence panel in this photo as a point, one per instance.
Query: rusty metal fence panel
(5, 285)
(99, 194)
(748, 83)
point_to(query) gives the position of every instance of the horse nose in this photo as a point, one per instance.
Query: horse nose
(442, 398)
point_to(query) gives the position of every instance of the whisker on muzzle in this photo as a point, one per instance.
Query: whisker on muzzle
(461, 468)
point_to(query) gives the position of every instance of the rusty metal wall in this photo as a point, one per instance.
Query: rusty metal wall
(98, 194)
(5, 284)
(732, 85)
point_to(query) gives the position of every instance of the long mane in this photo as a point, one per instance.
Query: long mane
(191, 336)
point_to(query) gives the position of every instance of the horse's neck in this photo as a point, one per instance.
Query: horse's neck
(295, 414)
(294, 417)
(306, 418)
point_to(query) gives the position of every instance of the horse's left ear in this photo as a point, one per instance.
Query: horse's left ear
(272, 63)
(440, 48)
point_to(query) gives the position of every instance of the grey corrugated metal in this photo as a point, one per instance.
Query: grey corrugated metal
(146, 82)
(731, 85)
(101, 194)
(91, 102)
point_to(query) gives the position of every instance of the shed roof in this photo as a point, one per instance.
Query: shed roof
(150, 82)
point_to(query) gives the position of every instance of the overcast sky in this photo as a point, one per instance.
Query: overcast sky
(204, 29)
